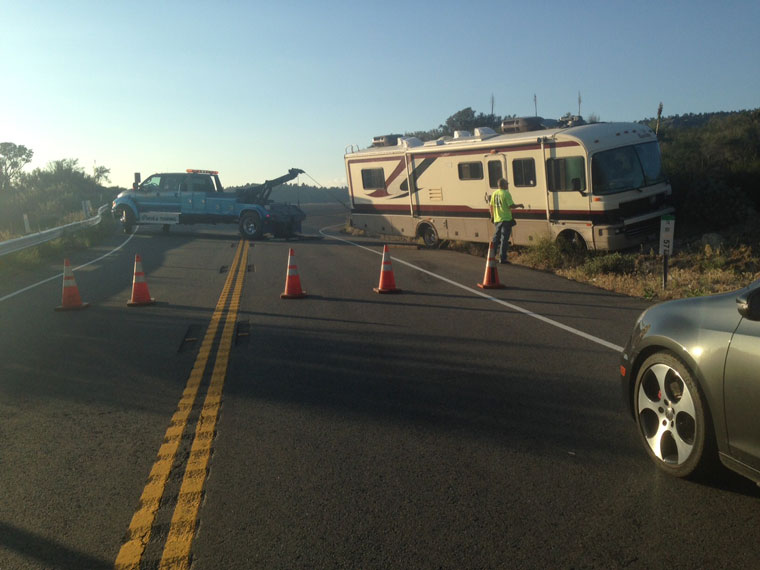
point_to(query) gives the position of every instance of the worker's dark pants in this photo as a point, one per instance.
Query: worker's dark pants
(501, 239)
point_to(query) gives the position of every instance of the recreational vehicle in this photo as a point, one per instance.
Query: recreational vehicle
(599, 185)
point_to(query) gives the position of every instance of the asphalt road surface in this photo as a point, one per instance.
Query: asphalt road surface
(224, 427)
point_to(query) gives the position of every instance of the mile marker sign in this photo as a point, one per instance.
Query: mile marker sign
(667, 231)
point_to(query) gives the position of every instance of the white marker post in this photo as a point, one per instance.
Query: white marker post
(667, 231)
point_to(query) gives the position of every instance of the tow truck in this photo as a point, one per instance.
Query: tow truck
(197, 197)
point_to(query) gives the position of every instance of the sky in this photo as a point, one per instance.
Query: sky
(254, 88)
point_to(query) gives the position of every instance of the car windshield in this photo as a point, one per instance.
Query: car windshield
(626, 168)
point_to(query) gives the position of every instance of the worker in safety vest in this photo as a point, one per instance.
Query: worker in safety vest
(501, 207)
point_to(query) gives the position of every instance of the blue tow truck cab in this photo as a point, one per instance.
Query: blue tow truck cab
(197, 197)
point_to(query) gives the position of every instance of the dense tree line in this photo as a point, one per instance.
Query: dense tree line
(465, 120)
(48, 196)
(713, 162)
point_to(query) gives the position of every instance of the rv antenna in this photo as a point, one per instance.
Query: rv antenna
(492, 100)
(579, 103)
(535, 104)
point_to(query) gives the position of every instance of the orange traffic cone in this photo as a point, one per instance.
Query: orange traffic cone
(387, 280)
(491, 278)
(140, 294)
(292, 280)
(70, 299)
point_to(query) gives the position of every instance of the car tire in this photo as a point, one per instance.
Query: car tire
(250, 225)
(672, 417)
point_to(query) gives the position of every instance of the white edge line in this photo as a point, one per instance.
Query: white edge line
(59, 275)
(546, 320)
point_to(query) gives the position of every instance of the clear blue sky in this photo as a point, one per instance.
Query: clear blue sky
(254, 88)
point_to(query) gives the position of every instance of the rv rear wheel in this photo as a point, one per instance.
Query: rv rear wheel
(429, 235)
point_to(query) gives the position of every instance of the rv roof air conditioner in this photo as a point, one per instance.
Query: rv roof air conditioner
(462, 134)
(484, 132)
(410, 142)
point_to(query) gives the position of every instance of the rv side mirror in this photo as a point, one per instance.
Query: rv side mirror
(576, 182)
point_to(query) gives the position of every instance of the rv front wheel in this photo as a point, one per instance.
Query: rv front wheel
(571, 241)
(429, 235)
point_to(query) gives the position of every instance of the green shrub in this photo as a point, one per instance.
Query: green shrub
(617, 263)
(546, 254)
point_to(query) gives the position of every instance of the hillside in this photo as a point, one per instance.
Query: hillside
(304, 194)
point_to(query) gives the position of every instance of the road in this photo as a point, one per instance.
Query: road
(443, 427)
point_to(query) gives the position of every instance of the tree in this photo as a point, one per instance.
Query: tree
(101, 173)
(13, 158)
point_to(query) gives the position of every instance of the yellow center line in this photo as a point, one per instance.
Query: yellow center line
(176, 553)
(138, 535)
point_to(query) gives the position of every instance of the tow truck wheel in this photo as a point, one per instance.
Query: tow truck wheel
(250, 225)
(126, 217)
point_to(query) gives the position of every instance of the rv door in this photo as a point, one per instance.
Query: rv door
(568, 194)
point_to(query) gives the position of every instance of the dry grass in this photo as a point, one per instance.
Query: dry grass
(701, 266)
(35, 256)
(698, 269)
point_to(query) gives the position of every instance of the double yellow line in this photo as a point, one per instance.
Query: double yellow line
(176, 552)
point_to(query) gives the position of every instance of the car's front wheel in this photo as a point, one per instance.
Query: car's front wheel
(672, 416)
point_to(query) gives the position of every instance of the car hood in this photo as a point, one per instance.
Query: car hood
(697, 330)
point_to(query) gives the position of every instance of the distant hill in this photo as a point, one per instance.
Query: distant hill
(305, 194)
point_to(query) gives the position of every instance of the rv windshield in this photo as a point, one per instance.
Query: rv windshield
(626, 168)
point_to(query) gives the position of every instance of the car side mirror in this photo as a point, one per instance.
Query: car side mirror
(748, 305)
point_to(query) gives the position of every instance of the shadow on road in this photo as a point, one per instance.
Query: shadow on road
(49, 553)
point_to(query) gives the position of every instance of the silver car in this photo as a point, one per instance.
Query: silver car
(691, 379)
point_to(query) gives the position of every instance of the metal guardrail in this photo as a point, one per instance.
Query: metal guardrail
(17, 244)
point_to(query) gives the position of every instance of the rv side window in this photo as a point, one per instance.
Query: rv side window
(524, 172)
(373, 178)
(470, 171)
(494, 173)
(566, 174)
